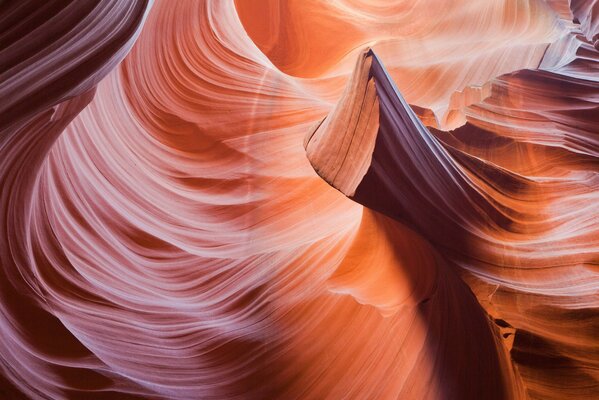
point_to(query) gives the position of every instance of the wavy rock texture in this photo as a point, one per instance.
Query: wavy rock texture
(164, 236)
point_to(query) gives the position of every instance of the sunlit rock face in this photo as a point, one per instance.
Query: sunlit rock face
(170, 227)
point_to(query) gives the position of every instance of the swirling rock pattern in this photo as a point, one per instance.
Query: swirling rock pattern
(164, 236)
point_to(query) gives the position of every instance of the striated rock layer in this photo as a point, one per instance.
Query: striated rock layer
(163, 235)
(495, 223)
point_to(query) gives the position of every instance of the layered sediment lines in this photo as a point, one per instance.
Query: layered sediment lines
(506, 220)
(164, 236)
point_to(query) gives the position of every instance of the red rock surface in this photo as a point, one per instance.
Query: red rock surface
(163, 234)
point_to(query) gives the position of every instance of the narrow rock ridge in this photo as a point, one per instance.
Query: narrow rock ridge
(374, 149)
